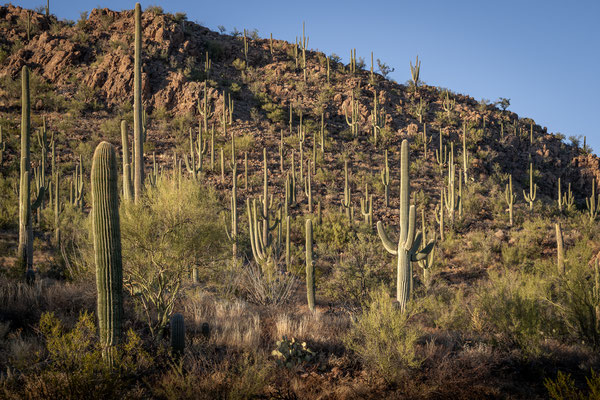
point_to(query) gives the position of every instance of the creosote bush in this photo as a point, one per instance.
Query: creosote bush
(384, 338)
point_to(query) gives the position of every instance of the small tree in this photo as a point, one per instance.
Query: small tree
(384, 69)
(164, 237)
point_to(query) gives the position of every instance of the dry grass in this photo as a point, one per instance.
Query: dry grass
(232, 323)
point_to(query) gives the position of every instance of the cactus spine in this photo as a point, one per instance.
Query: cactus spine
(408, 245)
(560, 251)
(385, 180)
(107, 247)
(138, 182)
(310, 267)
(532, 189)
(510, 198)
(177, 334)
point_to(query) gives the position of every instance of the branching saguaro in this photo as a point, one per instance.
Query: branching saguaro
(407, 248)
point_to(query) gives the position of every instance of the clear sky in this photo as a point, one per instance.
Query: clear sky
(542, 55)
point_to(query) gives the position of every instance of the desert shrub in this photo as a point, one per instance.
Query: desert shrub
(172, 230)
(335, 231)
(564, 388)
(512, 310)
(577, 301)
(9, 203)
(447, 309)
(384, 338)
(71, 365)
(361, 268)
(527, 244)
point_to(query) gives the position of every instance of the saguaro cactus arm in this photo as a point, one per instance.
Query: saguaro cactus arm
(387, 243)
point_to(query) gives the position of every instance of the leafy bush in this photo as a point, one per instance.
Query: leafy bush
(164, 236)
(563, 387)
(384, 338)
(362, 268)
(512, 310)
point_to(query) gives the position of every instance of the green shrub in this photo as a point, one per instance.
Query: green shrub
(563, 387)
(512, 310)
(164, 236)
(384, 338)
(362, 268)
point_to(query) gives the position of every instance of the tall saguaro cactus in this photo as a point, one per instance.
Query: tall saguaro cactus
(127, 184)
(385, 180)
(409, 243)
(510, 199)
(560, 250)
(107, 247)
(530, 198)
(310, 267)
(138, 182)
(24, 261)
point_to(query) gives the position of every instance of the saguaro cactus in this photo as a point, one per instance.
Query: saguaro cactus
(234, 219)
(593, 203)
(138, 182)
(353, 121)
(177, 334)
(24, 261)
(347, 201)
(560, 251)
(385, 180)
(532, 189)
(107, 247)
(415, 71)
(510, 199)
(427, 262)
(408, 245)
(127, 184)
(366, 207)
(310, 267)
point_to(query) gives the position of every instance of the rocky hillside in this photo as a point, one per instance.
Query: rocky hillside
(84, 75)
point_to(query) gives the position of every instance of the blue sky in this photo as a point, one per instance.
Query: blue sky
(542, 55)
